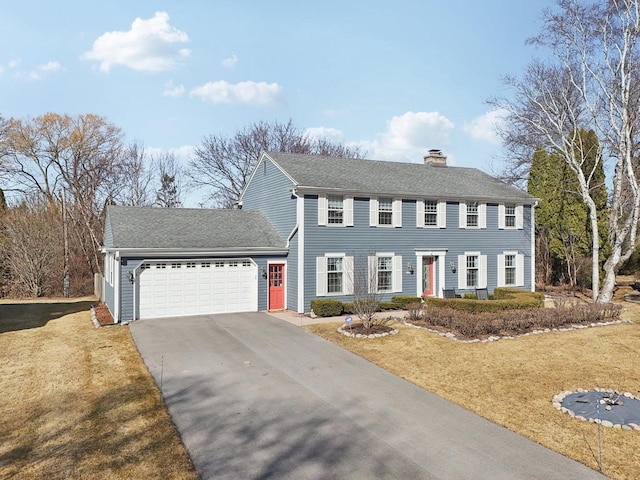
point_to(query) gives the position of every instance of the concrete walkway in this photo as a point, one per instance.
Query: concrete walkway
(255, 397)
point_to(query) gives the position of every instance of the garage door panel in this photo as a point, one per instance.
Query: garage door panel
(191, 288)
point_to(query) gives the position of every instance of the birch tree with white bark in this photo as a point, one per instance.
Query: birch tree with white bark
(591, 81)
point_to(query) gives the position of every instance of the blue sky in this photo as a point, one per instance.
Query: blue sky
(396, 78)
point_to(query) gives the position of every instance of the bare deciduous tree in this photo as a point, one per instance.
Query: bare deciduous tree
(592, 82)
(33, 247)
(169, 191)
(223, 164)
(139, 177)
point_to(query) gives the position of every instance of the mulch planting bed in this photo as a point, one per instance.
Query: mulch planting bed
(103, 315)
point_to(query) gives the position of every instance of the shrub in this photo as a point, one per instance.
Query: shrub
(347, 307)
(415, 311)
(504, 299)
(512, 322)
(326, 307)
(389, 306)
(403, 300)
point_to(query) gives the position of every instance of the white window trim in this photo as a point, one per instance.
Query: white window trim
(396, 275)
(396, 213)
(441, 214)
(347, 211)
(502, 217)
(482, 216)
(519, 257)
(322, 275)
(462, 270)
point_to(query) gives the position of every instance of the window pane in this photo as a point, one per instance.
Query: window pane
(431, 213)
(385, 211)
(472, 271)
(335, 209)
(384, 273)
(510, 215)
(510, 269)
(334, 275)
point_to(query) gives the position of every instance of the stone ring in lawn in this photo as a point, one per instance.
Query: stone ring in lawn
(609, 408)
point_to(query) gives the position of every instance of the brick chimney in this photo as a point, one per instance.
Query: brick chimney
(435, 158)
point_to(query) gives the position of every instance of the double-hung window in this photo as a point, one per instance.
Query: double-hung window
(385, 271)
(334, 275)
(510, 216)
(385, 211)
(431, 214)
(473, 214)
(335, 210)
(511, 269)
(472, 270)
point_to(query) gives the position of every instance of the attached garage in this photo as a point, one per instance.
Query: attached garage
(169, 262)
(178, 287)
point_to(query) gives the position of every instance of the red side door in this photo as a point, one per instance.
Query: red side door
(276, 286)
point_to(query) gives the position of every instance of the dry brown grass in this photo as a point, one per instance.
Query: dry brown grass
(78, 402)
(512, 382)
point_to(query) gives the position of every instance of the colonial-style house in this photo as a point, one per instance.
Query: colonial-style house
(311, 226)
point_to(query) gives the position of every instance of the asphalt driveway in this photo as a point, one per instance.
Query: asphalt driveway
(255, 397)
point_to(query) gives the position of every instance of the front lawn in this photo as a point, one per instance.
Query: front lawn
(512, 382)
(78, 402)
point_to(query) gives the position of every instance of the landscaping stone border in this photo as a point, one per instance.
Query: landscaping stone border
(94, 318)
(495, 338)
(557, 404)
(342, 330)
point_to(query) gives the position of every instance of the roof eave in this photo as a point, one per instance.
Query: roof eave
(187, 252)
(360, 193)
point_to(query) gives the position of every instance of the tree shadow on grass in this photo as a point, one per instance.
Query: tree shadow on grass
(22, 316)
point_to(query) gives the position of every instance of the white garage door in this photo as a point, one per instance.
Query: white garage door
(178, 288)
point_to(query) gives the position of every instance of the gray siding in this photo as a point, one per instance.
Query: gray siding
(126, 288)
(270, 192)
(108, 233)
(361, 240)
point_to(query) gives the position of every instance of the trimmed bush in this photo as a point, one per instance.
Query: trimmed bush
(403, 300)
(326, 307)
(347, 307)
(504, 299)
(389, 306)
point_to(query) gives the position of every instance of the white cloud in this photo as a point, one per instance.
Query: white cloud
(150, 46)
(230, 62)
(332, 134)
(1, 70)
(248, 93)
(485, 127)
(410, 136)
(182, 153)
(14, 63)
(171, 90)
(40, 70)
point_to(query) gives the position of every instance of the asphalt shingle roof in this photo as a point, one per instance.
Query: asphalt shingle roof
(393, 178)
(147, 227)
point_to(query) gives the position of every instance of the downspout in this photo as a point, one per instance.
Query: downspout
(533, 247)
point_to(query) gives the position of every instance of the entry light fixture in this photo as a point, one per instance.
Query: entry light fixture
(452, 266)
(409, 268)
(263, 272)
(131, 277)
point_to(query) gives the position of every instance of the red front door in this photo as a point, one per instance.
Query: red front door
(276, 286)
(427, 276)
